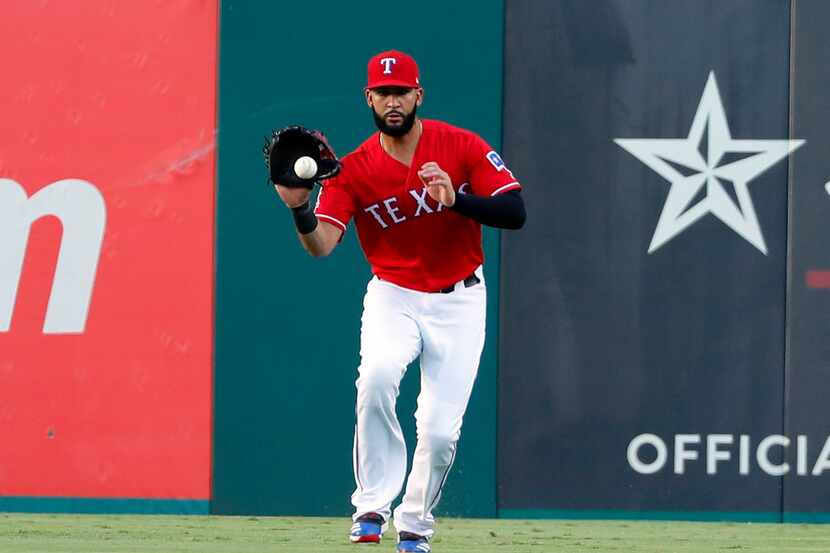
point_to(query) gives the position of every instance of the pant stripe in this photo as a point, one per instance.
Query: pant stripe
(443, 480)
(357, 459)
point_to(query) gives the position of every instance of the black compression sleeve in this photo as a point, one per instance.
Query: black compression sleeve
(505, 210)
(304, 218)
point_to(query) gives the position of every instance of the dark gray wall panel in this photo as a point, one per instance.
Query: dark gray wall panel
(601, 340)
(808, 367)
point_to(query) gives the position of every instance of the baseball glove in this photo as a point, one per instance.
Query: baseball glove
(287, 145)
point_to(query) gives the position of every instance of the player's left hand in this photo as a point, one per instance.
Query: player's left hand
(438, 183)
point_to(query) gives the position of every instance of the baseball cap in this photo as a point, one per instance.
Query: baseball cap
(392, 68)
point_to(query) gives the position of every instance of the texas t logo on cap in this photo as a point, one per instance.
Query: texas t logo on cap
(387, 65)
(392, 68)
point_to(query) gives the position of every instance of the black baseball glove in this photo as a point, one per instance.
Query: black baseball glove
(287, 145)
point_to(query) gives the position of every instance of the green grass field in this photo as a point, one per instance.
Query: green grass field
(210, 534)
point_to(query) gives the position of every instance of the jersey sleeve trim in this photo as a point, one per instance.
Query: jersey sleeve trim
(332, 220)
(507, 187)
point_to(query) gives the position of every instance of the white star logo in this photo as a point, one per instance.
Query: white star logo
(709, 157)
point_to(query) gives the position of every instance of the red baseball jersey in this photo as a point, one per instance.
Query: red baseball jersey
(408, 238)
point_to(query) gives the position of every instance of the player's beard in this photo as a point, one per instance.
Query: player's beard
(395, 131)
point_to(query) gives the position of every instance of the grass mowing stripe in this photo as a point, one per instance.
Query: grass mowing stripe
(25, 533)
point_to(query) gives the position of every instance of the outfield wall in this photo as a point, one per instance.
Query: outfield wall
(654, 354)
(807, 368)
(106, 223)
(656, 348)
(287, 325)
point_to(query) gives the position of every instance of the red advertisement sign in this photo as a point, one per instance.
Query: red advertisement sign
(106, 248)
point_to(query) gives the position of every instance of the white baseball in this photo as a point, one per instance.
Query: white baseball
(305, 167)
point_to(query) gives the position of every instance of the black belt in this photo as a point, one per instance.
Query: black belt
(471, 280)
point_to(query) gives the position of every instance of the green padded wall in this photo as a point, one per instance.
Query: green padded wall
(287, 325)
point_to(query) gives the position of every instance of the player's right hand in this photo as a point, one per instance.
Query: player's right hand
(293, 197)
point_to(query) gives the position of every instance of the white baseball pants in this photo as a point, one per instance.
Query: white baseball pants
(398, 325)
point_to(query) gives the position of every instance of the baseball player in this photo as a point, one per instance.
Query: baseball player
(418, 191)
